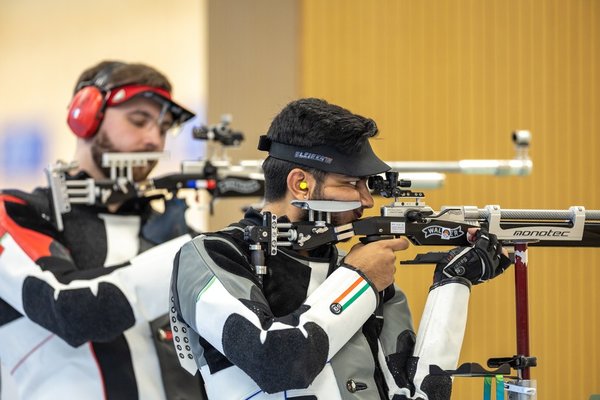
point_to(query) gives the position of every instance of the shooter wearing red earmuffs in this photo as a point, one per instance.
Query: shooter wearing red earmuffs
(83, 309)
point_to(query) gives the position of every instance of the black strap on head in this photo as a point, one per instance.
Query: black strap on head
(102, 77)
(326, 158)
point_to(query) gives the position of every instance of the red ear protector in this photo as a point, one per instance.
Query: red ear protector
(86, 111)
(87, 107)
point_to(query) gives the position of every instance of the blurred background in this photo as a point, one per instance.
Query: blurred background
(445, 80)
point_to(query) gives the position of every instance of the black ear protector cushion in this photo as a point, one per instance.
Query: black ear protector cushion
(87, 106)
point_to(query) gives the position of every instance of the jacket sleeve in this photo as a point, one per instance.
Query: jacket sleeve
(407, 357)
(39, 280)
(218, 296)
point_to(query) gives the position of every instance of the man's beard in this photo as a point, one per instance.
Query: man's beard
(101, 144)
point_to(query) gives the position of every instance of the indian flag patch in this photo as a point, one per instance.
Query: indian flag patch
(349, 295)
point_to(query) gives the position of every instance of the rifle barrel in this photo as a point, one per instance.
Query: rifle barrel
(531, 214)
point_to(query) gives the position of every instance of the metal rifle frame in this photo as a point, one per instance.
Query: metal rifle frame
(217, 176)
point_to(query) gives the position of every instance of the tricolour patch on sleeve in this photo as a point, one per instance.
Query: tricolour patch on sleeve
(349, 295)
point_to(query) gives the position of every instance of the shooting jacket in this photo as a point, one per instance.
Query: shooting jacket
(83, 311)
(316, 328)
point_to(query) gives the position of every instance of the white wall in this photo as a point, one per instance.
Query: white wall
(45, 45)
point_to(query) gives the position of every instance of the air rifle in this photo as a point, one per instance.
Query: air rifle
(410, 217)
(218, 177)
(520, 164)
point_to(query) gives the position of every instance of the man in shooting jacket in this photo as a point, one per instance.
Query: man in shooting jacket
(319, 325)
(83, 309)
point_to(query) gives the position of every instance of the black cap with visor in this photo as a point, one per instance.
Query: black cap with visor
(326, 158)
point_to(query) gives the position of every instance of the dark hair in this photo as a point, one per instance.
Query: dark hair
(312, 122)
(119, 73)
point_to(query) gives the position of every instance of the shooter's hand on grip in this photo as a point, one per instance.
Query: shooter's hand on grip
(484, 260)
(377, 260)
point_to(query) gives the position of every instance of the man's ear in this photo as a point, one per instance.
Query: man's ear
(300, 184)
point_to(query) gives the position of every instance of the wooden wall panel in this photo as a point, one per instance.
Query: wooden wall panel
(252, 74)
(448, 80)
